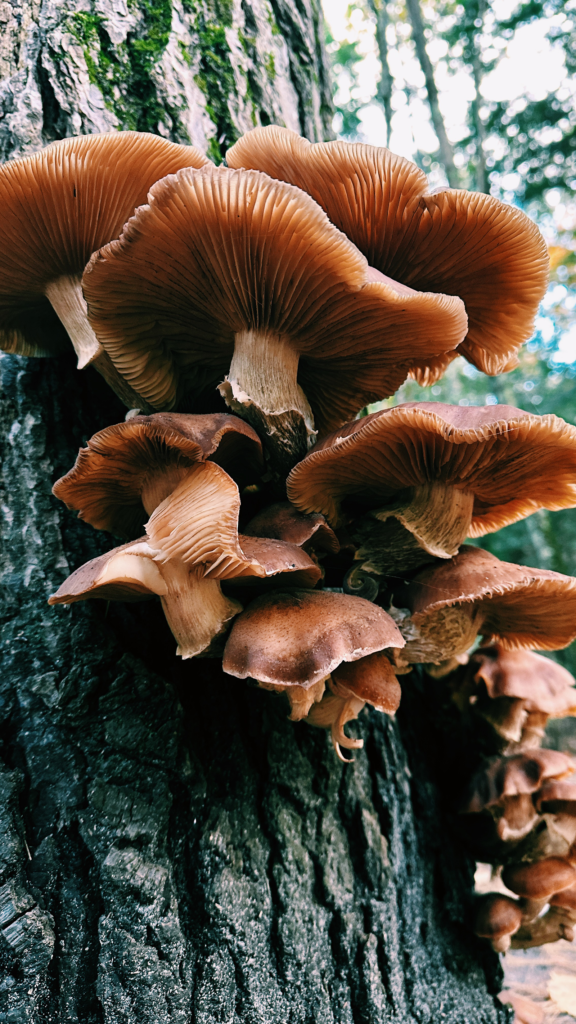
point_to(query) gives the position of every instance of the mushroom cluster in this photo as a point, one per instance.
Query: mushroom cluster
(246, 314)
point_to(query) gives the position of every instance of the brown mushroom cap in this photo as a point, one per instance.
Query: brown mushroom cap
(222, 255)
(58, 207)
(518, 606)
(511, 461)
(371, 679)
(282, 521)
(540, 880)
(462, 243)
(517, 775)
(123, 574)
(540, 683)
(555, 797)
(566, 898)
(106, 483)
(298, 637)
(496, 917)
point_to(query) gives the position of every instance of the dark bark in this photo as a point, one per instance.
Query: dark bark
(386, 82)
(173, 849)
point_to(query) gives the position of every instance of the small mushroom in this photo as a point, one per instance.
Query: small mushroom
(555, 924)
(421, 477)
(191, 545)
(497, 918)
(282, 521)
(128, 469)
(58, 207)
(463, 243)
(292, 641)
(541, 879)
(444, 607)
(231, 274)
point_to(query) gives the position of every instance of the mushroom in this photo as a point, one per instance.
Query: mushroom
(282, 521)
(464, 243)
(444, 607)
(58, 206)
(423, 476)
(497, 918)
(128, 469)
(541, 879)
(191, 545)
(555, 924)
(292, 641)
(231, 274)
(525, 1010)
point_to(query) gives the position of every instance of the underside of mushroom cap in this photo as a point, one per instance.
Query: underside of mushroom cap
(540, 683)
(297, 637)
(220, 255)
(518, 606)
(124, 574)
(511, 461)
(462, 243)
(58, 207)
(106, 484)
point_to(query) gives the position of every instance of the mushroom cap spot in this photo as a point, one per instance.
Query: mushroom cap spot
(541, 879)
(372, 679)
(286, 562)
(520, 606)
(58, 207)
(463, 243)
(123, 574)
(218, 252)
(497, 915)
(282, 521)
(518, 775)
(298, 637)
(512, 461)
(105, 485)
(540, 683)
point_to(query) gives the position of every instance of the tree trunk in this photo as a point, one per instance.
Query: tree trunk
(173, 850)
(418, 35)
(385, 85)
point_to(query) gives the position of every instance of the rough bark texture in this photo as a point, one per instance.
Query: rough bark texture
(172, 848)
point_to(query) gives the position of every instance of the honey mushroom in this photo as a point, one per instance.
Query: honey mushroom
(58, 207)
(444, 607)
(230, 274)
(449, 240)
(297, 641)
(412, 482)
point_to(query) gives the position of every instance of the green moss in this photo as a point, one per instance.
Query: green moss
(184, 51)
(216, 80)
(270, 65)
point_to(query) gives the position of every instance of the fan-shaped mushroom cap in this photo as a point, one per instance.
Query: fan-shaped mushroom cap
(463, 243)
(540, 683)
(513, 605)
(540, 880)
(58, 207)
(127, 573)
(444, 471)
(127, 469)
(282, 521)
(497, 918)
(232, 272)
(298, 637)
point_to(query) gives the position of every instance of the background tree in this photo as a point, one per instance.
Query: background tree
(172, 848)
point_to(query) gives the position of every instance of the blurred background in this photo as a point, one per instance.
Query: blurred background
(482, 96)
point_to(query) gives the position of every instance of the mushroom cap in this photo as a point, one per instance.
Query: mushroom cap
(285, 564)
(540, 880)
(520, 606)
(124, 574)
(496, 916)
(556, 797)
(462, 243)
(514, 776)
(540, 683)
(371, 679)
(58, 207)
(219, 252)
(282, 521)
(566, 898)
(105, 484)
(298, 637)
(512, 461)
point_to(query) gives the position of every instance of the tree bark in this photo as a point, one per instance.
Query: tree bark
(386, 82)
(418, 34)
(172, 849)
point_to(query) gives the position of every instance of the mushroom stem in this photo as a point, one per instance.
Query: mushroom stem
(437, 515)
(65, 296)
(300, 698)
(262, 387)
(195, 608)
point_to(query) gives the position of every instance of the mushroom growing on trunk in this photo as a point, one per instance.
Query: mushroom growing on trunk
(414, 481)
(230, 274)
(463, 243)
(297, 641)
(58, 207)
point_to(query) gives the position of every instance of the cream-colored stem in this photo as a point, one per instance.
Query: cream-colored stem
(437, 515)
(262, 387)
(195, 608)
(160, 484)
(65, 296)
